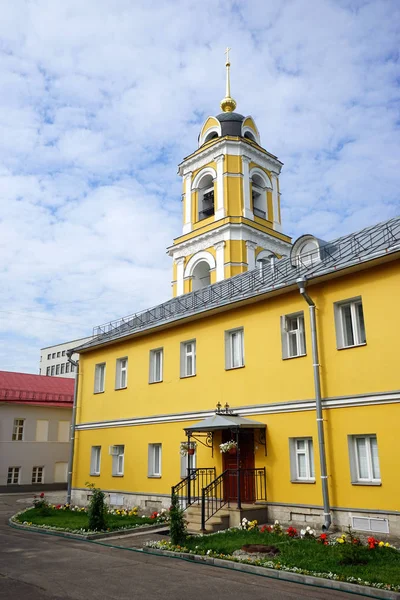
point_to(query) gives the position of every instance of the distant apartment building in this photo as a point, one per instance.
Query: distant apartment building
(35, 422)
(54, 360)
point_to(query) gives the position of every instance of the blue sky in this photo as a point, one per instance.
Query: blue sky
(102, 99)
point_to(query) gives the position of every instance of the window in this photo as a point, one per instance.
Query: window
(234, 349)
(121, 375)
(42, 430)
(63, 353)
(99, 376)
(48, 371)
(13, 475)
(154, 460)
(117, 453)
(188, 358)
(205, 195)
(350, 326)
(67, 367)
(38, 475)
(53, 369)
(58, 354)
(53, 355)
(48, 356)
(63, 433)
(57, 369)
(95, 460)
(18, 430)
(62, 369)
(156, 365)
(60, 472)
(293, 335)
(72, 368)
(301, 459)
(364, 459)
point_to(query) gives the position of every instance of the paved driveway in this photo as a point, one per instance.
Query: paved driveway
(38, 567)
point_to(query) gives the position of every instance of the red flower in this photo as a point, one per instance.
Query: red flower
(291, 531)
(266, 529)
(58, 506)
(42, 494)
(154, 515)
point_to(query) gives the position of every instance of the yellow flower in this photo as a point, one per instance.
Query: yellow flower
(387, 545)
(381, 544)
(341, 540)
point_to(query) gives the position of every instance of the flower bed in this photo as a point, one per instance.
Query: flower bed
(74, 519)
(339, 558)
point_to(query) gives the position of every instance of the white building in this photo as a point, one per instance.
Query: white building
(54, 360)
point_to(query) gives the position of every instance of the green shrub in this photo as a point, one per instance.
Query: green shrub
(42, 507)
(177, 522)
(97, 511)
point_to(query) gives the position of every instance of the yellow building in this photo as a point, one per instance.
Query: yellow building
(290, 351)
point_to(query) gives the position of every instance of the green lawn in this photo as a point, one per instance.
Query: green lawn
(382, 564)
(78, 520)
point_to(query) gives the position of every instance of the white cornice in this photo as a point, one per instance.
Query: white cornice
(232, 147)
(230, 231)
(248, 411)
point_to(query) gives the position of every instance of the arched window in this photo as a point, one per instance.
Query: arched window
(308, 253)
(206, 197)
(250, 136)
(201, 275)
(211, 136)
(258, 196)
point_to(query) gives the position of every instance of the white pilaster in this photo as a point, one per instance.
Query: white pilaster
(220, 260)
(275, 209)
(187, 226)
(251, 255)
(180, 262)
(247, 212)
(220, 208)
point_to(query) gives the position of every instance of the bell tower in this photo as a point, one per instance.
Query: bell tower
(231, 202)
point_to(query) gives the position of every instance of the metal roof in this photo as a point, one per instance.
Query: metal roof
(353, 249)
(221, 421)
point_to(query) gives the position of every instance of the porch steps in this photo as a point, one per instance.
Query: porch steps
(226, 517)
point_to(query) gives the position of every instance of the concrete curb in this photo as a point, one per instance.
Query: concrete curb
(82, 536)
(341, 586)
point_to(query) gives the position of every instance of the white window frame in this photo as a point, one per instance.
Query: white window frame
(355, 460)
(155, 377)
(121, 373)
(298, 333)
(35, 475)
(12, 471)
(185, 355)
(154, 470)
(67, 367)
(308, 452)
(232, 362)
(53, 370)
(99, 378)
(18, 433)
(95, 460)
(118, 461)
(355, 323)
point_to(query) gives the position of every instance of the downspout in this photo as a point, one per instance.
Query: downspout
(318, 402)
(75, 363)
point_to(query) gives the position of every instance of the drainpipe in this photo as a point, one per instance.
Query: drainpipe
(73, 425)
(317, 387)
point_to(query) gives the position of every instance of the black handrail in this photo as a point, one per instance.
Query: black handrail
(240, 485)
(213, 498)
(189, 488)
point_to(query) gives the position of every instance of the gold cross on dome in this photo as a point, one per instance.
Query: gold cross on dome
(227, 54)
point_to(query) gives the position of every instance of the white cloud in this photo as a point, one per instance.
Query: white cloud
(104, 99)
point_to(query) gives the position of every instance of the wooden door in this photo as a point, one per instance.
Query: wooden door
(246, 461)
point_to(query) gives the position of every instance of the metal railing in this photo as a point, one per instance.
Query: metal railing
(189, 489)
(354, 248)
(233, 485)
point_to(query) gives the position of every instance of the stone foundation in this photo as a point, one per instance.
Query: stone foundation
(145, 502)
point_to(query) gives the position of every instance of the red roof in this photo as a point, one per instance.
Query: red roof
(36, 389)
